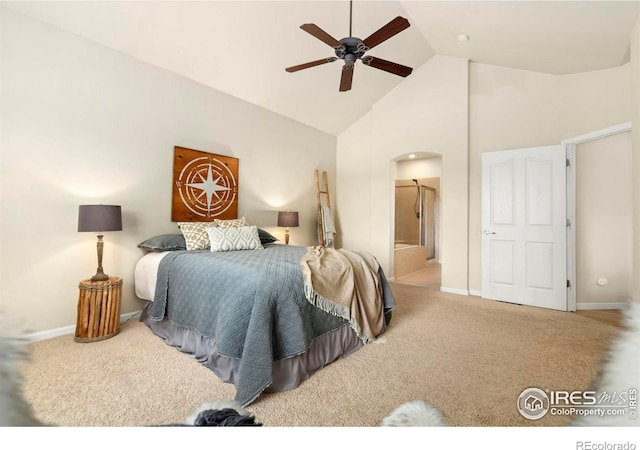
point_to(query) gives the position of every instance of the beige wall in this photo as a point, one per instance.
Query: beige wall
(635, 95)
(84, 124)
(353, 194)
(419, 168)
(603, 221)
(594, 100)
(427, 112)
(507, 109)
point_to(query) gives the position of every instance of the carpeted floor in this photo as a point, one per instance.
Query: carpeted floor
(469, 357)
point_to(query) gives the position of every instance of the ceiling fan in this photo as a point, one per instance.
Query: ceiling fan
(350, 49)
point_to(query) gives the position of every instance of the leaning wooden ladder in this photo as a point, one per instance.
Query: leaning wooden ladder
(323, 199)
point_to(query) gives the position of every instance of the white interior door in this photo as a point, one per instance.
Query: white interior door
(524, 219)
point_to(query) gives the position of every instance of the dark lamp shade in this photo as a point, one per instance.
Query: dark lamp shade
(99, 218)
(288, 219)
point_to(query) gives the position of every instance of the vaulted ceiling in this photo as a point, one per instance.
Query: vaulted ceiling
(243, 47)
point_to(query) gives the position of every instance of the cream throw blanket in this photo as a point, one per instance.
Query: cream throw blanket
(346, 284)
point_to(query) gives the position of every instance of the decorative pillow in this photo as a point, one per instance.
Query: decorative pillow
(266, 237)
(224, 239)
(241, 222)
(195, 234)
(164, 243)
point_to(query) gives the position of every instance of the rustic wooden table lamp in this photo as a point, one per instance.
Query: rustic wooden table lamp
(99, 218)
(287, 219)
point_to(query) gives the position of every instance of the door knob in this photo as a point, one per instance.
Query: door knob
(489, 232)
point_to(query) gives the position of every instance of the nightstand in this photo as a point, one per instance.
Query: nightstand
(98, 309)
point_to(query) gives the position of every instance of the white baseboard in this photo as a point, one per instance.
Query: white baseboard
(587, 306)
(454, 291)
(42, 335)
(475, 293)
(391, 279)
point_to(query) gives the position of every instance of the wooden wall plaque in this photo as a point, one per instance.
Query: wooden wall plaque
(205, 186)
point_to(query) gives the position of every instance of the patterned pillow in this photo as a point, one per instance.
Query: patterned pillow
(241, 222)
(195, 234)
(224, 239)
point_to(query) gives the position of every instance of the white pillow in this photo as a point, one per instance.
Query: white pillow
(224, 239)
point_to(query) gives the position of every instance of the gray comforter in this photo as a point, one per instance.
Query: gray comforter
(251, 302)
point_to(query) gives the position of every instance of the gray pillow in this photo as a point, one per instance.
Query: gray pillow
(266, 237)
(164, 242)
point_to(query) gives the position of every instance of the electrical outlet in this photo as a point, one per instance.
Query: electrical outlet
(602, 281)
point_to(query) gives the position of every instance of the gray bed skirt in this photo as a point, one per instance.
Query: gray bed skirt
(288, 373)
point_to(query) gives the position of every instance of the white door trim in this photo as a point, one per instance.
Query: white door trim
(610, 131)
(571, 144)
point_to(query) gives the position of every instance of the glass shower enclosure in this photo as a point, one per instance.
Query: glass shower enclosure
(415, 216)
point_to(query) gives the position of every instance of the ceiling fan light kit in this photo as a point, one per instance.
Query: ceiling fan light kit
(351, 49)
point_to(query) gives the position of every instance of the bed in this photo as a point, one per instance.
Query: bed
(244, 314)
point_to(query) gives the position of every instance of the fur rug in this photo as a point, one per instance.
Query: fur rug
(14, 409)
(416, 413)
(620, 371)
(221, 414)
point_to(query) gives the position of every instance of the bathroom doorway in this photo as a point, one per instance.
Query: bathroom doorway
(417, 221)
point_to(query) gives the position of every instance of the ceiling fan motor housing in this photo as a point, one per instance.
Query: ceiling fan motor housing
(351, 46)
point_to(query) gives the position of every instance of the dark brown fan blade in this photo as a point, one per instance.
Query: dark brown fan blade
(317, 32)
(346, 78)
(389, 30)
(310, 64)
(387, 66)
